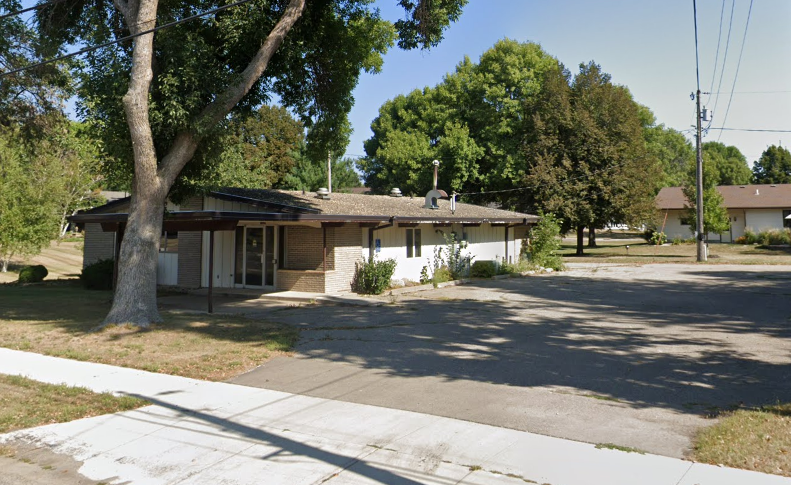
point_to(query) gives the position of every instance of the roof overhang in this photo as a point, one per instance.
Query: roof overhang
(228, 220)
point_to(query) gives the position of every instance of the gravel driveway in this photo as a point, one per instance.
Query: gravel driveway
(639, 356)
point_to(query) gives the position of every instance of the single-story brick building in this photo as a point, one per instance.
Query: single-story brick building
(278, 240)
(757, 207)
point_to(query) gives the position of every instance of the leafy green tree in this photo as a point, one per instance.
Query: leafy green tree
(731, 165)
(715, 215)
(28, 96)
(28, 212)
(472, 122)
(309, 175)
(261, 150)
(774, 166)
(163, 100)
(674, 152)
(583, 146)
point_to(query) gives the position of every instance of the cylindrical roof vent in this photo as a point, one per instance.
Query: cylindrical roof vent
(323, 193)
(395, 192)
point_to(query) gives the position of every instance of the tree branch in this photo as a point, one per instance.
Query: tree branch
(186, 142)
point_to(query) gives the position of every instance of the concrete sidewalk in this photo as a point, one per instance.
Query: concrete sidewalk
(201, 432)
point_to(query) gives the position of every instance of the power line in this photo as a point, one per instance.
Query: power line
(761, 130)
(122, 39)
(29, 9)
(717, 55)
(725, 56)
(738, 64)
(697, 62)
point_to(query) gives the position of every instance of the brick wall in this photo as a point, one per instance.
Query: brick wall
(304, 248)
(310, 281)
(346, 251)
(97, 244)
(190, 242)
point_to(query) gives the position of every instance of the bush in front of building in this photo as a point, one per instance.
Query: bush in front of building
(33, 274)
(545, 243)
(483, 269)
(774, 237)
(99, 275)
(372, 277)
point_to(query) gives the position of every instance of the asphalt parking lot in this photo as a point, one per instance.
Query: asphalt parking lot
(638, 356)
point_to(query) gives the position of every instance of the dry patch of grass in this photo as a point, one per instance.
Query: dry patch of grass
(757, 440)
(25, 403)
(59, 320)
(640, 252)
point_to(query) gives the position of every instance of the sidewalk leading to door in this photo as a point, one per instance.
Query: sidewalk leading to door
(207, 432)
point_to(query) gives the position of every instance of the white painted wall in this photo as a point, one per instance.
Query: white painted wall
(674, 228)
(762, 219)
(485, 243)
(167, 269)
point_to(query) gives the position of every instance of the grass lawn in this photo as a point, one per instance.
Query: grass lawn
(640, 252)
(25, 403)
(757, 440)
(58, 319)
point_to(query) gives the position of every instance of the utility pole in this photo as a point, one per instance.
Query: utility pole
(699, 187)
(698, 149)
(329, 167)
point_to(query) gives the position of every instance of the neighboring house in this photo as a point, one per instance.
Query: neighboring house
(757, 207)
(277, 240)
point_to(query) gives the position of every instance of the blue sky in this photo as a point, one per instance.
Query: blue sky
(647, 46)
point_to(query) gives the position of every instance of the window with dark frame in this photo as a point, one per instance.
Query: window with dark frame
(413, 243)
(786, 222)
(169, 242)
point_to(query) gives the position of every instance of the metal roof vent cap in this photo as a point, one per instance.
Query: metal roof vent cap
(756, 192)
(323, 193)
(395, 192)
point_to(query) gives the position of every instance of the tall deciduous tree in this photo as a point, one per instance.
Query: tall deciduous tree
(584, 149)
(774, 166)
(731, 166)
(471, 121)
(28, 210)
(310, 175)
(261, 150)
(674, 152)
(177, 86)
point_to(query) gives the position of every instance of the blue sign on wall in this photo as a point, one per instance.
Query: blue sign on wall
(378, 245)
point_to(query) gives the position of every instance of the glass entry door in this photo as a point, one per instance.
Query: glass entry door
(255, 257)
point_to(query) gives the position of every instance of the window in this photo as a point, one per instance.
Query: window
(685, 221)
(169, 242)
(413, 243)
(786, 222)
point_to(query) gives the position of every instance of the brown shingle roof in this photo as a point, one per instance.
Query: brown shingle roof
(374, 205)
(734, 197)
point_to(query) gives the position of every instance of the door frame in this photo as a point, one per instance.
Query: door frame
(252, 225)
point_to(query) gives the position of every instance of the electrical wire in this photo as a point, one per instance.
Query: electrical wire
(738, 64)
(30, 9)
(725, 56)
(122, 39)
(752, 129)
(717, 55)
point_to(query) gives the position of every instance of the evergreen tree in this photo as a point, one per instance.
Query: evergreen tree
(774, 166)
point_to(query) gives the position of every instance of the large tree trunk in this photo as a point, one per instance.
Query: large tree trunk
(591, 237)
(580, 239)
(135, 300)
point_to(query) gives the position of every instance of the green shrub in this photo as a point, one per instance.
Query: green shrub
(483, 269)
(519, 267)
(99, 275)
(774, 237)
(441, 275)
(33, 274)
(749, 237)
(658, 238)
(545, 242)
(677, 241)
(372, 277)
